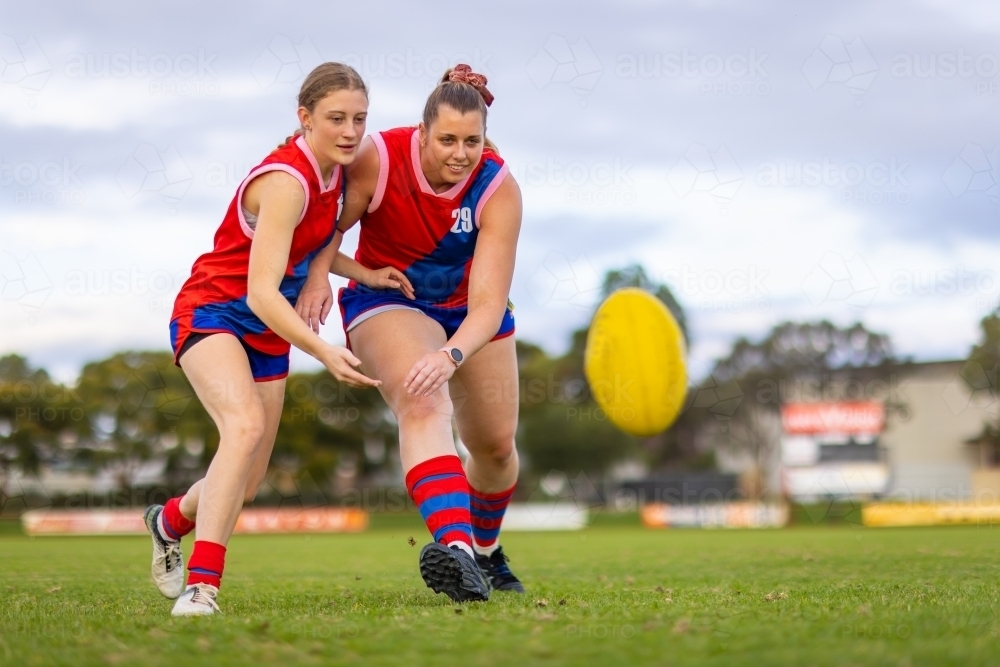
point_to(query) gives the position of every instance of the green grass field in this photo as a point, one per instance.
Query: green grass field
(610, 595)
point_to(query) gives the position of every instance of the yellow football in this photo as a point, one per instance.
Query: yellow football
(634, 362)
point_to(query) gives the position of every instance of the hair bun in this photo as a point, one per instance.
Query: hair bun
(463, 73)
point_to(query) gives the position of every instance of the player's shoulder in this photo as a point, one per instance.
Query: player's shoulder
(493, 170)
(501, 192)
(506, 189)
(397, 135)
(276, 183)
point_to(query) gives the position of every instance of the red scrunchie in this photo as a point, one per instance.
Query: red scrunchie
(464, 74)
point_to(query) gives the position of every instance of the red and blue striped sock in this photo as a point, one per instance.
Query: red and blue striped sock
(439, 488)
(207, 562)
(172, 524)
(487, 511)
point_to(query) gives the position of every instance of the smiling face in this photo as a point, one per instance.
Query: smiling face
(452, 146)
(335, 125)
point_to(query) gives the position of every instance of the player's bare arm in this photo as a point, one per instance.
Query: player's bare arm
(279, 198)
(489, 287)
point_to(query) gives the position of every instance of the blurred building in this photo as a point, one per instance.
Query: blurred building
(908, 432)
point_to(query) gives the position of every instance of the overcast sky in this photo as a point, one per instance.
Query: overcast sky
(790, 161)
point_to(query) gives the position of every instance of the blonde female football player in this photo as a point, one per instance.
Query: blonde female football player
(234, 321)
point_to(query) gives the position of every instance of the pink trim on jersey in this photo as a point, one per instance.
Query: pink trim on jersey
(383, 170)
(274, 166)
(418, 171)
(490, 189)
(300, 141)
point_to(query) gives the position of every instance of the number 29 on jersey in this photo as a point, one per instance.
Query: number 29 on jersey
(463, 220)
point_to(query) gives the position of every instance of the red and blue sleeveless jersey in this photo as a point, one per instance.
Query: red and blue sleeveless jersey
(214, 298)
(429, 236)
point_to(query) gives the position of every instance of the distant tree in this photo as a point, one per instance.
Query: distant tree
(980, 374)
(560, 425)
(794, 349)
(138, 406)
(34, 411)
(325, 424)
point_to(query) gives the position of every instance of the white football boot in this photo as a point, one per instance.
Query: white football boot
(197, 600)
(168, 561)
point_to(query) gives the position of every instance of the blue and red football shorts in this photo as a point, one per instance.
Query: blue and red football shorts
(359, 303)
(263, 367)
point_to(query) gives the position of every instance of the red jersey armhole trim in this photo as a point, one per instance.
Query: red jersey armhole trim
(274, 166)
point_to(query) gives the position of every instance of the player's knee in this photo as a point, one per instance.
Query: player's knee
(245, 430)
(425, 409)
(497, 453)
(251, 431)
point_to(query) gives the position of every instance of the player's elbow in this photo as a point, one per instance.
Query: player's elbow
(490, 309)
(253, 302)
(258, 299)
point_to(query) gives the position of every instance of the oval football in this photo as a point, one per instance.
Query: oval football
(635, 362)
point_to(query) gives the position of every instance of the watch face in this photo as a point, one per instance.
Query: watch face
(456, 354)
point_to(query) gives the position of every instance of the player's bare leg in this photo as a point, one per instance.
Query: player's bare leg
(168, 560)
(485, 394)
(388, 345)
(218, 370)
(272, 395)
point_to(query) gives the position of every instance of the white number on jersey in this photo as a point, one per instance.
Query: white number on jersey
(463, 220)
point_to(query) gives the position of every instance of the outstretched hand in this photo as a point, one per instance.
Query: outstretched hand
(342, 364)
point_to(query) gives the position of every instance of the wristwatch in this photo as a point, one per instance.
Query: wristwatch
(454, 354)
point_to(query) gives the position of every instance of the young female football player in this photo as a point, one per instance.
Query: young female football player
(234, 320)
(436, 202)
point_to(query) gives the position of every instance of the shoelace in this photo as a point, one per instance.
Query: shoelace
(170, 555)
(173, 556)
(499, 561)
(196, 598)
